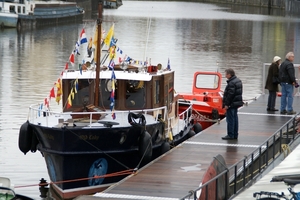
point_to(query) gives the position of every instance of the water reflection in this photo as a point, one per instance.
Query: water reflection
(194, 36)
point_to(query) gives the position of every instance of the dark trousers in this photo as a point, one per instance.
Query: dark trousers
(271, 99)
(232, 122)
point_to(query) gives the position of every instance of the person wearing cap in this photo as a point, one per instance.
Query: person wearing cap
(272, 85)
(287, 82)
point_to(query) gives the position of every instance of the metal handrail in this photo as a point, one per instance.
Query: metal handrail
(234, 171)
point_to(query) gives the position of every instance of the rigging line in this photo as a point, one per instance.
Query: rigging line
(148, 32)
(124, 172)
(99, 149)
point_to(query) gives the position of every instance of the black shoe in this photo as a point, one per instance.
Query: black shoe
(273, 109)
(268, 109)
(283, 112)
(227, 137)
(235, 138)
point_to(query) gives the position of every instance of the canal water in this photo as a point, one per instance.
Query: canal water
(193, 36)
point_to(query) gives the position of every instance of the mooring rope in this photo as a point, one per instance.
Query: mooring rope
(120, 173)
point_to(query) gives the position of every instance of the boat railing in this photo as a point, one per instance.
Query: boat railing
(184, 115)
(244, 172)
(36, 112)
(203, 118)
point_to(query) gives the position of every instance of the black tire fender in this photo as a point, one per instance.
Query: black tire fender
(25, 137)
(145, 146)
(197, 127)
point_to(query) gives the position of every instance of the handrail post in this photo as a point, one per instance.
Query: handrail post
(252, 165)
(206, 192)
(280, 142)
(244, 169)
(267, 154)
(217, 188)
(273, 156)
(294, 125)
(235, 181)
(259, 160)
(226, 184)
(287, 134)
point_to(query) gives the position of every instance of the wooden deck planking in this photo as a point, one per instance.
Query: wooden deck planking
(180, 170)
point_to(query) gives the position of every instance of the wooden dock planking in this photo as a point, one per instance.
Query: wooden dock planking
(180, 170)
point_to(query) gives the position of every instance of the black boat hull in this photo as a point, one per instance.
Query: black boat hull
(96, 152)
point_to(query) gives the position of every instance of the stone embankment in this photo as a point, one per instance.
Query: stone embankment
(292, 7)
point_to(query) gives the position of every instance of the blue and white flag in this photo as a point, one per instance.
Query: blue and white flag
(169, 66)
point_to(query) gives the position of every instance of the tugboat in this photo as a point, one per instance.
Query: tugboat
(114, 120)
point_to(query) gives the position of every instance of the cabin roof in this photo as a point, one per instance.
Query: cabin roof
(121, 75)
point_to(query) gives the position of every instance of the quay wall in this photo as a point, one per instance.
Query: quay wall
(260, 3)
(291, 7)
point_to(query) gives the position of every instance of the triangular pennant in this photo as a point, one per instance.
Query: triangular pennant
(52, 93)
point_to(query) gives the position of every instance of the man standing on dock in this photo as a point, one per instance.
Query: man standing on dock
(287, 82)
(232, 100)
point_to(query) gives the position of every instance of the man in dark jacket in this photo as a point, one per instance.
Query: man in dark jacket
(287, 82)
(232, 100)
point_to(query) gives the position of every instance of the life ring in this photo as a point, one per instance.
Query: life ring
(145, 147)
(197, 127)
(132, 119)
(25, 137)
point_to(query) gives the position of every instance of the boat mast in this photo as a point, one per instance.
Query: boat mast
(99, 22)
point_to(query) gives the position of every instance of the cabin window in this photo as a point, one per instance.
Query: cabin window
(19, 9)
(23, 9)
(82, 95)
(207, 81)
(12, 9)
(105, 93)
(135, 94)
(157, 92)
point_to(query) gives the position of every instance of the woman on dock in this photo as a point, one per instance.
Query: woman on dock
(272, 83)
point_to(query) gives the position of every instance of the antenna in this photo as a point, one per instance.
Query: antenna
(148, 29)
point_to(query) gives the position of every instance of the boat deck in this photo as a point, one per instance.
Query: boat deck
(180, 170)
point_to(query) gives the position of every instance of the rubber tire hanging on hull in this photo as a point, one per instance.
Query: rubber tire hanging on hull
(136, 119)
(165, 147)
(191, 133)
(25, 137)
(197, 127)
(145, 146)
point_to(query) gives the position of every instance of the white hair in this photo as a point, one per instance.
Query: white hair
(289, 54)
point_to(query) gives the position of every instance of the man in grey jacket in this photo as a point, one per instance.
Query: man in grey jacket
(232, 100)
